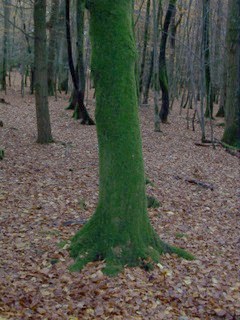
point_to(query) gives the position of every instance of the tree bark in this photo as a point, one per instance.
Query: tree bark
(163, 76)
(223, 90)
(80, 111)
(119, 232)
(52, 47)
(6, 7)
(155, 68)
(40, 63)
(231, 134)
(151, 64)
(206, 53)
(145, 41)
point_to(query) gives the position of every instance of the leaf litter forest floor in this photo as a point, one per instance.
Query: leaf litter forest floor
(49, 192)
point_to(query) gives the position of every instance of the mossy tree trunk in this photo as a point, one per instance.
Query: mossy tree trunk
(40, 65)
(119, 232)
(163, 75)
(231, 134)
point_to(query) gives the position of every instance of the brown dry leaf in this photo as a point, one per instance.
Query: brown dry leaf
(220, 312)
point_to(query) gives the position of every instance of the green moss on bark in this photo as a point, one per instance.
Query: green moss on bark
(119, 232)
(231, 136)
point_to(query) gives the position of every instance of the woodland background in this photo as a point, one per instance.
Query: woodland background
(49, 191)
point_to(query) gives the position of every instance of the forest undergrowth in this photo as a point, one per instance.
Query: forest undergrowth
(48, 192)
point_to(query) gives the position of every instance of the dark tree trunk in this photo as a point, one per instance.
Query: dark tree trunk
(231, 134)
(52, 47)
(80, 111)
(6, 7)
(206, 49)
(163, 76)
(40, 64)
(145, 41)
(151, 65)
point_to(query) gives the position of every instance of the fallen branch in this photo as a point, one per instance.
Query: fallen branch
(74, 222)
(197, 182)
(202, 144)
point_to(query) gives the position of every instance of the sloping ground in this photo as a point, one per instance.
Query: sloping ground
(48, 192)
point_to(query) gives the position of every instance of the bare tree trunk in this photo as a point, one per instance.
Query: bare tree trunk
(155, 69)
(145, 41)
(52, 47)
(173, 30)
(150, 72)
(231, 134)
(80, 111)
(163, 76)
(6, 7)
(206, 49)
(40, 63)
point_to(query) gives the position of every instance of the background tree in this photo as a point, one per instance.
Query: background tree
(40, 64)
(155, 68)
(163, 75)
(231, 134)
(6, 7)
(206, 54)
(52, 46)
(145, 42)
(80, 111)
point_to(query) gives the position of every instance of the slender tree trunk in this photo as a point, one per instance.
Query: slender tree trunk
(223, 90)
(80, 45)
(145, 42)
(6, 7)
(163, 76)
(40, 63)
(62, 65)
(155, 69)
(80, 111)
(231, 134)
(172, 41)
(173, 30)
(150, 72)
(206, 53)
(80, 68)
(52, 47)
(217, 56)
(119, 232)
(149, 79)
(29, 52)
